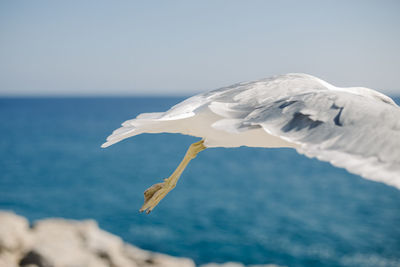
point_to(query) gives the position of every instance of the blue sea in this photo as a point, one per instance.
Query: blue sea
(249, 205)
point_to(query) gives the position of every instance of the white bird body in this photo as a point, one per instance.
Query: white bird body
(204, 124)
(354, 128)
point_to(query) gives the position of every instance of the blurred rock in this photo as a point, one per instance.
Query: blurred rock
(32, 258)
(146, 258)
(69, 243)
(14, 232)
(63, 243)
(8, 259)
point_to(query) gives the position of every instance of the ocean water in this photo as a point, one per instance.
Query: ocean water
(249, 205)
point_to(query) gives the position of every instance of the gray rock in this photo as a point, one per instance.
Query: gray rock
(14, 232)
(146, 258)
(61, 243)
(32, 258)
(69, 243)
(15, 238)
(9, 259)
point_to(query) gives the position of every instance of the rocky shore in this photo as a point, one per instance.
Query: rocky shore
(69, 243)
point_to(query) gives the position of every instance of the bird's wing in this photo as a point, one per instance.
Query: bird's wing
(237, 93)
(156, 122)
(349, 131)
(357, 131)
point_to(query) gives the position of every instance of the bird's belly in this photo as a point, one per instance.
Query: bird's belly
(200, 125)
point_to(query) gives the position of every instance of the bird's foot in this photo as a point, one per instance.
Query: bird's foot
(154, 194)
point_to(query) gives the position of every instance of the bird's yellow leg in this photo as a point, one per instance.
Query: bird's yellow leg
(154, 194)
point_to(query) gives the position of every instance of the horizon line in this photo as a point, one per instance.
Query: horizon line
(150, 95)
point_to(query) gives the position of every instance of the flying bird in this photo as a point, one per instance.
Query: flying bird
(355, 128)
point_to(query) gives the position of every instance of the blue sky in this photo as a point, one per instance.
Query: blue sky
(183, 47)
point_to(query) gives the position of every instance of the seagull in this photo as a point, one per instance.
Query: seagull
(355, 128)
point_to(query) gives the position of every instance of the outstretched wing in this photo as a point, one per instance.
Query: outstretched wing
(349, 131)
(354, 128)
(357, 129)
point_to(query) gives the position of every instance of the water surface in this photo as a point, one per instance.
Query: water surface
(250, 205)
